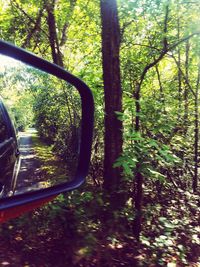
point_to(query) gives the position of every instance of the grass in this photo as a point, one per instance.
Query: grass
(52, 169)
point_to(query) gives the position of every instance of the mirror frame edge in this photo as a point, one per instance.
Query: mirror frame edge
(87, 103)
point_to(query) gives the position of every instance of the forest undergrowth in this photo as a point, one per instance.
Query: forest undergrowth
(70, 231)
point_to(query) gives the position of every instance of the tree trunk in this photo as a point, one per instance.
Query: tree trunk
(162, 95)
(138, 181)
(196, 135)
(137, 223)
(196, 141)
(186, 87)
(112, 93)
(53, 38)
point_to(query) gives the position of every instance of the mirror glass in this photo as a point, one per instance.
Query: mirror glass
(40, 138)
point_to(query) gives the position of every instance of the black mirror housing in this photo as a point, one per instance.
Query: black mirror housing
(17, 204)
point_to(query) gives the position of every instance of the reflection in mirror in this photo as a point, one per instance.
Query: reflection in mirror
(46, 114)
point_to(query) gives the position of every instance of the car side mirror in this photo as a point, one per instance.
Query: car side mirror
(12, 205)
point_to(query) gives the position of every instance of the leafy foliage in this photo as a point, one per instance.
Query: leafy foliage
(160, 71)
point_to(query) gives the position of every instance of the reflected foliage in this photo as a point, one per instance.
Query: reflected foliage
(51, 106)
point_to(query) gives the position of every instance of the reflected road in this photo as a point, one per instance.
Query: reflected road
(29, 169)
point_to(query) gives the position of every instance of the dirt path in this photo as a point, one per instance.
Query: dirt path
(29, 163)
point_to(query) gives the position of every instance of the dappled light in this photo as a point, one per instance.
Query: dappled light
(29, 167)
(140, 204)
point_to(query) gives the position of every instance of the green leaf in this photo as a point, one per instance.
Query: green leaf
(157, 175)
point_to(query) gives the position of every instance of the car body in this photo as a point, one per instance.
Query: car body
(9, 153)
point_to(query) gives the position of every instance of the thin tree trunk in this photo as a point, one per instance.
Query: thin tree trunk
(179, 70)
(137, 107)
(186, 87)
(162, 96)
(196, 135)
(138, 181)
(138, 193)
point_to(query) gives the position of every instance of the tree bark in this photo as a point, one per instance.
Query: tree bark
(112, 93)
(53, 38)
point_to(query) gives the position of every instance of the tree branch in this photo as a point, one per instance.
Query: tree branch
(16, 5)
(34, 29)
(184, 76)
(123, 28)
(66, 24)
(64, 35)
(165, 44)
(163, 53)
